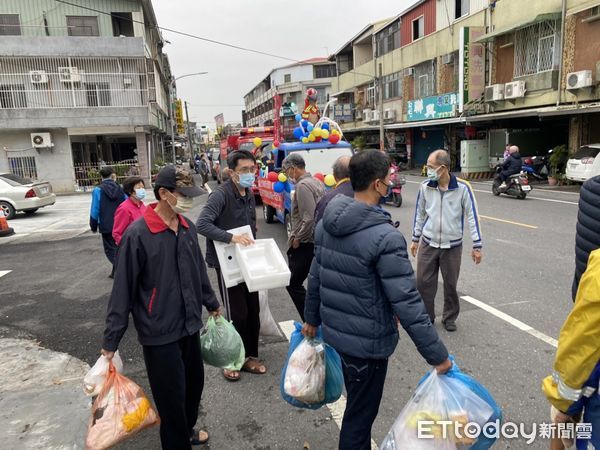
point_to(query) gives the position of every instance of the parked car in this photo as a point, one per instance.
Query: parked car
(21, 194)
(215, 166)
(584, 163)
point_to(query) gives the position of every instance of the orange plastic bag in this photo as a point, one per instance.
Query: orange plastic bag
(119, 412)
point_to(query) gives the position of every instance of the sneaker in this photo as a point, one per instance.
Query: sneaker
(450, 326)
(502, 186)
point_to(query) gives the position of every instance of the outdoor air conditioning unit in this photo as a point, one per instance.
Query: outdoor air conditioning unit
(367, 115)
(38, 76)
(375, 115)
(409, 72)
(389, 114)
(358, 114)
(69, 74)
(41, 140)
(514, 89)
(578, 80)
(448, 58)
(494, 93)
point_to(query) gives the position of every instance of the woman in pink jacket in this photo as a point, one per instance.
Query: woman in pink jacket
(131, 209)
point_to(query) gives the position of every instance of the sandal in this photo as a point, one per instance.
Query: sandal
(254, 366)
(199, 437)
(231, 375)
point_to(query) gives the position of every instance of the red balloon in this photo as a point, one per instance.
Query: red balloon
(334, 138)
(319, 176)
(318, 139)
(272, 177)
(276, 144)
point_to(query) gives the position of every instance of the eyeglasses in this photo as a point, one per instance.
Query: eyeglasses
(245, 170)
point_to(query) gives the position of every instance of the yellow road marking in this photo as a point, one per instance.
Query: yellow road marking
(509, 222)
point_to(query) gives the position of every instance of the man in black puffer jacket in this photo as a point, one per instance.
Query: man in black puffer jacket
(511, 166)
(361, 284)
(587, 237)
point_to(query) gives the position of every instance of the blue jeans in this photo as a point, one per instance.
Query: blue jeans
(591, 415)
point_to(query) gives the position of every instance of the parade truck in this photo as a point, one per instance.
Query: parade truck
(276, 195)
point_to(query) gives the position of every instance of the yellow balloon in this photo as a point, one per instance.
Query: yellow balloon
(329, 180)
(257, 142)
(305, 140)
(317, 132)
(325, 134)
(311, 138)
(282, 177)
(335, 132)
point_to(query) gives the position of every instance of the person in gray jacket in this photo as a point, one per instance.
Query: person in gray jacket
(361, 285)
(444, 204)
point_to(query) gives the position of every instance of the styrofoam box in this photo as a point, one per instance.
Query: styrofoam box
(232, 275)
(263, 266)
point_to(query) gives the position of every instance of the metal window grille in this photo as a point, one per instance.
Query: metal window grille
(87, 175)
(425, 78)
(34, 83)
(23, 166)
(535, 48)
(83, 25)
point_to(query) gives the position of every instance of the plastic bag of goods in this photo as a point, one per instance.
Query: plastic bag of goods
(221, 344)
(268, 326)
(120, 411)
(453, 397)
(94, 379)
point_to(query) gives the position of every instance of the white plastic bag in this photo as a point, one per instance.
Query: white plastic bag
(268, 326)
(305, 372)
(439, 398)
(94, 379)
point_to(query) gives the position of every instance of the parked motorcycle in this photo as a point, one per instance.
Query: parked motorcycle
(516, 186)
(397, 180)
(537, 167)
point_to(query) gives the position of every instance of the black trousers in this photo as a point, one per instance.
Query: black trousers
(299, 261)
(364, 380)
(110, 247)
(176, 375)
(243, 309)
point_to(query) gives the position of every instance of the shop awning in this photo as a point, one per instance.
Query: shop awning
(502, 31)
(425, 123)
(347, 91)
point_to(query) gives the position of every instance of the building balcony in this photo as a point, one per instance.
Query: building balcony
(73, 46)
(356, 77)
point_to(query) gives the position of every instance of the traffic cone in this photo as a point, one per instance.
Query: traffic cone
(5, 230)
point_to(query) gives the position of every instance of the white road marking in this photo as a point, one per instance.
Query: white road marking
(511, 320)
(4, 272)
(336, 409)
(207, 187)
(512, 303)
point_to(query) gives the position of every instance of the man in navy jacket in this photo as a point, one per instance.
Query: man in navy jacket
(361, 284)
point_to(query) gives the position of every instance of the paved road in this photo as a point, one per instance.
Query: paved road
(57, 291)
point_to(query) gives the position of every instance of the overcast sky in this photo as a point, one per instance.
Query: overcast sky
(294, 29)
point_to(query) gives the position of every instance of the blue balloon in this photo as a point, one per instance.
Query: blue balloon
(325, 126)
(288, 187)
(304, 123)
(298, 117)
(278, 187)
(310, 127)
(298, 133)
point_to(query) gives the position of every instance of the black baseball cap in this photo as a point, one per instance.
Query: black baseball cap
(178, 179)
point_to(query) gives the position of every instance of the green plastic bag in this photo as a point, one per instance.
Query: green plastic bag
(221, 344)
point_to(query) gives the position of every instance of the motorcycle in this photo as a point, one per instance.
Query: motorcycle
(397, 180)
(517, 185)
(537, 167)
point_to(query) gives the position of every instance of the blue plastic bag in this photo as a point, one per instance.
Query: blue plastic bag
(334, 377)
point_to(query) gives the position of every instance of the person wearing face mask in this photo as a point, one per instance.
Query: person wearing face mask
(229, 206)
(131, 209)
(300, 252)
(161, 279)
(361, 284)
(445, 204)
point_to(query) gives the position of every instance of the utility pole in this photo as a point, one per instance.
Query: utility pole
(381, 130)
(189, 133)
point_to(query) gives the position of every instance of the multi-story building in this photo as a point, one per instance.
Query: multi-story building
(454, 70)
(284, 89)
(81, 85)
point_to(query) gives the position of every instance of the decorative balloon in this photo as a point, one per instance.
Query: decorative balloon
(257, 142)
(298, 133)
(298, 117)
(282, 177)
(329, 180)
(272, 177)
(305, 140)
(334, 138)
(319, 176)
(310, 127)
(325, 126)
(325, 134)
(279, 187)
(288, 187)
(317, 132)
(311, 138)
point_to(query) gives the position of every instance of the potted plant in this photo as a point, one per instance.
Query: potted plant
(558, 160)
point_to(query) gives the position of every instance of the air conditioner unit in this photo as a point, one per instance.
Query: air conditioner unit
(375, 115)
(358, 114)
(41, 140)
(367, 115)
(578, 80)
(389, 114)
(448, 58)
(409, 72)
(494, 93)
(514, 89)
(38, 76)
(69, 74)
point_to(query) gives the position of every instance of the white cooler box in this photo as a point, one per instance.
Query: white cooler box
(262, 265)
(232, 275)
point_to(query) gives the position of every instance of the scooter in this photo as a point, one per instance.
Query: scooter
(517, 185)
(397, 180)
(537, 167)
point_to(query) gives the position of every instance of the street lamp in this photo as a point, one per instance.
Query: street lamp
(171, 87)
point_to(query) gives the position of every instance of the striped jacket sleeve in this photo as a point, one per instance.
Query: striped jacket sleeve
(469, 205)
(420, 215)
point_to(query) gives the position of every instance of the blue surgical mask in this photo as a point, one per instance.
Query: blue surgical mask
(140, 193)
(247, 180)
(433, 174)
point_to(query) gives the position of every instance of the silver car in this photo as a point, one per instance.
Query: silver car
(20, 194)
